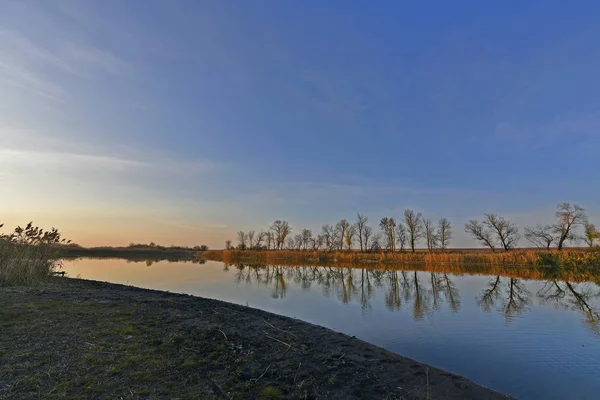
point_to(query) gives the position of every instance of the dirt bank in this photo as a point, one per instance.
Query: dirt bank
(71, 338)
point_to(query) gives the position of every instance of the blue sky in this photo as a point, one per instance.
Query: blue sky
(183, 122)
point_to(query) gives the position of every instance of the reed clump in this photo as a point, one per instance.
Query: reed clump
(28, 255)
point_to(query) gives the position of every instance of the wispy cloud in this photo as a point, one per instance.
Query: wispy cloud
(16, 159)
(22, 66)
(45, 66)
(93, 57)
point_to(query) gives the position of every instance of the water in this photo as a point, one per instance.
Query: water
(533, 339)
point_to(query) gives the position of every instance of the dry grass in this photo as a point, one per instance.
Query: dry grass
(564, 258)
(25, 264)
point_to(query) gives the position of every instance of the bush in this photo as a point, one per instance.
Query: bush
(28, 255)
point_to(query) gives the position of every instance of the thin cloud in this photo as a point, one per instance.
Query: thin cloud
(14, 158)
(94, 57)
(44, 66)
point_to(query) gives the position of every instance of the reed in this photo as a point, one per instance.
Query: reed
(28, 255)
(22, 264)
(563, 258)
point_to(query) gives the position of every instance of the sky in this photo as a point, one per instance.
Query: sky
(184, 122)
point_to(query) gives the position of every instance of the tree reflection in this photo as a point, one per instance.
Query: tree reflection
(420, 293)
(507, 295)
(451, 293)
(517, 300)
(393, 298)
(573, 296)
(489, 295)
(367, 290)
(420, 298)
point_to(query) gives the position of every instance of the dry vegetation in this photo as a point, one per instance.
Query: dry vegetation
(563, 258)
(28, 255)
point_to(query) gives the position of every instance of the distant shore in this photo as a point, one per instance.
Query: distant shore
(133, 253)
(103, 340)
(573, 258)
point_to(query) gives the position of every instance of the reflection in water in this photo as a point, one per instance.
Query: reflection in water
(573, 296)
(351, 284)
(507, 295)
(422, 293)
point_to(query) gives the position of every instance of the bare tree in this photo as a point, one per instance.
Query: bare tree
(591, 234)
(306, 238)
(228, 244)
(569, 218)
(481, 233)
(259, 239)
(444, 233)
(540, 236)
(298, 241)
(401, 236)
(506, 231)
(350, 233)
(289, 243)
(270, 237)
(329, 238)
(281, 229)
(430, 235)
(376, 243)
(317, 242)
(250, 237)
(361, 225)
(414, 224)
(367, 232)
(341, 229)
(242, 238)
(388, 227)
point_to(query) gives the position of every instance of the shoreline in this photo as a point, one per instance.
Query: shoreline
(139, 343)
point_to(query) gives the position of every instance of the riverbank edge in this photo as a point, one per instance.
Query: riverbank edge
(241, 352)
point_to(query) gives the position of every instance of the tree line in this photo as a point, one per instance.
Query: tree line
(493, 231)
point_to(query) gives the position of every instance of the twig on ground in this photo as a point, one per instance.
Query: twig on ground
(342, 356)
(223, 334)
(289, 346)
(296, 374)
(261, 375)
(278, 329)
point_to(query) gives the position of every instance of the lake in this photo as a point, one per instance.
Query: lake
(532, 339)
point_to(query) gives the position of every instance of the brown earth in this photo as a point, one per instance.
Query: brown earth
(74, 339)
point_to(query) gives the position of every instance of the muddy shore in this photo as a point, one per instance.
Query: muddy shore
(71, 338)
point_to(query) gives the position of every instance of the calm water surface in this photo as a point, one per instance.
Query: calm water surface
(532, 339)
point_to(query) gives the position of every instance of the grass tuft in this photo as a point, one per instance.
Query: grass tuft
(270, 393)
